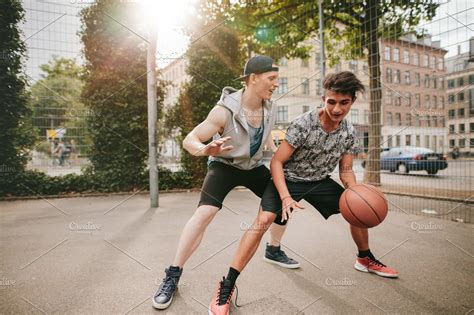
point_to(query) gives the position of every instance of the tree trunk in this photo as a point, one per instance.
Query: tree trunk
(372, 168)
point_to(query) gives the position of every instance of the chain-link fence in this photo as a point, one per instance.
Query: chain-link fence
(421, 90)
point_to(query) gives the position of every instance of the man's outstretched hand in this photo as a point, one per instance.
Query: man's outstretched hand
(217, 147)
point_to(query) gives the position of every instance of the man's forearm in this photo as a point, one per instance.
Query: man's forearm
(278, 177)
(348, 179)
(194, 146)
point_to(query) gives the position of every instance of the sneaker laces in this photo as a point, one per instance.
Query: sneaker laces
(224, 293)
(167, 285)
(376, 262)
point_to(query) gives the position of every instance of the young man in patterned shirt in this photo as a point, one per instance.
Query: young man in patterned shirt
(315, 143)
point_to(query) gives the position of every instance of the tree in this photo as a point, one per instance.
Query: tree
(214, 59)
(352, 31)
(16, 133)
(55, 99)
(115, 92)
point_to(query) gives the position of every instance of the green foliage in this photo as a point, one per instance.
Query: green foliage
(115, 92)
(56, 103)
(16, 132)
(34, 183)
(215, 58)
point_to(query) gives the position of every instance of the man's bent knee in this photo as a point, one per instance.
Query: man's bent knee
(264, 220)
(204, 214)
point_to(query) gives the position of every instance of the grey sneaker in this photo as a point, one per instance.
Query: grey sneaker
(274, 255)
(164, 296)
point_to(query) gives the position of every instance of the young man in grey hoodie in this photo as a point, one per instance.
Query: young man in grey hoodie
(240, 125)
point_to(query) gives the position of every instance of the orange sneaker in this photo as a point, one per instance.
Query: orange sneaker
(220, 303)
(368, 264)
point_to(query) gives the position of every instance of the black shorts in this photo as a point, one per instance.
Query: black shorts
(323, 195)
(222, 178)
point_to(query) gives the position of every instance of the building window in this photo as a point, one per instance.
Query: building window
(407, 139)
(366, 117)
(426, 60)
(398, 100)
(305, 86)
(471, 143)
(461, 97)
(428, 120)
(389, 119)
(406, 56)
(461, 112)
(433, 62)
(282, 114)
(389, 141)
(471, 102)
(452, 143)
(441, 102)
(427, 101)
(407, 99)
(460, 82)
(282, 85)
(435, 121)
(318, 87)
(408, 119)
(396, 77)
(451, 98)
(416, 59)
(440, 64)
(387, 53)
(451, 84)
(305, 108)
(471, 79)
(388, 99)
(417, 100)
(417, 139)
(471, 127)
(396, 54)
(397, 140)
(398, 119)
(462, 143)
(389, 76)
(451, 113)
(407, 78)
(427, 81)
(441, 83)
(417, 79)
(435, 83)
(435, 101)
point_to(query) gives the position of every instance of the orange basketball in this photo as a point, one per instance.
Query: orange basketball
(363, 206)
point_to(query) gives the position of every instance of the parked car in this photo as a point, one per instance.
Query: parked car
(406, 159)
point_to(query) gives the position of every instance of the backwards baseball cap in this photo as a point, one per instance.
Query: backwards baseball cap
(257, 64)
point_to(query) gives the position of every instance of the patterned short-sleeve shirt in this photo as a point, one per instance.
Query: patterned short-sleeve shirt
(317, 152)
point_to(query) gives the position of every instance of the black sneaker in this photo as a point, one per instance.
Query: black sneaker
(164, 296)
(274, 255)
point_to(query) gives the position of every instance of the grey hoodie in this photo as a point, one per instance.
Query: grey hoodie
(237, 128)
